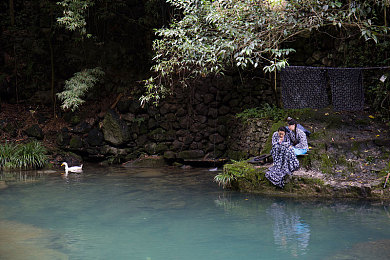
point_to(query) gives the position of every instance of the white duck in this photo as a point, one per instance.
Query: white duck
(76, 169)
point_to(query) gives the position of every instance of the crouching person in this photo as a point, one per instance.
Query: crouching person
(285, 161)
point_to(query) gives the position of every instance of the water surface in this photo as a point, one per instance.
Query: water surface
(127, 213)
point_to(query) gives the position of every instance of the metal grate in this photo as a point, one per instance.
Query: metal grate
(347, 89)
(304, 87)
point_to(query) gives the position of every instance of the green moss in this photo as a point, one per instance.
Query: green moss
(75, 142)
(341, 160)
(327, 164)
(313, 181)
(385, 155)
(75, 120)
(268, 144)
(241, 174)
(355, 146)
(318, 135)
(161, 148)
(385, 171)
(158, 134)
(266, 111)
(305, 161)
(239, 169)
(236, 155)
(364, 122)
(304, 114)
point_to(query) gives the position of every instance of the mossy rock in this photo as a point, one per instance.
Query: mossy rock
(190, 154)
(75, 142)
(147, 162)
(115, 130)
(244, 177)
(161, 148)
(158, 135)
(236, 155)
(34, 131)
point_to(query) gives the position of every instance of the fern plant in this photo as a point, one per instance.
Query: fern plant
(76, 87)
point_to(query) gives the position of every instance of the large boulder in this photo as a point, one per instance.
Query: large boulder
(34, 131)
(115, 130)
(190, 154)
(95, 137)
(75, 142)
(63, 137)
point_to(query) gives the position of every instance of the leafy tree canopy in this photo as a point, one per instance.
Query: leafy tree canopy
(73, 17)
(211, 36)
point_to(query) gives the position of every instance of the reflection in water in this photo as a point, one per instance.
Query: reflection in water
(290, 232)
(20, 176)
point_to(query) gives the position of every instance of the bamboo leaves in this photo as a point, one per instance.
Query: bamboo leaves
(77, 86)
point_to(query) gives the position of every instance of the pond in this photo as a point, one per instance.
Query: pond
(170, 213)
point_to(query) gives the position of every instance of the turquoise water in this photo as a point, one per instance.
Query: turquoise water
(124, 213)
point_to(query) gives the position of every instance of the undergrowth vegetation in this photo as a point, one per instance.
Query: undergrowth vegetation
(231, 172)
(266, 111)
(30, 155)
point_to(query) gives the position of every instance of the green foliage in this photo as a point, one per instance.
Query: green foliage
(381, 97)
(384, 172)
(73, 17)
(266, 111)
(328, 163)
(30, 155)
(155, 92)
(377, 82)
(231, 172)
(212, 36)
(76, 87)
(138, 120)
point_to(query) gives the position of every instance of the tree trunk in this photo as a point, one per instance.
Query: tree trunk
(12, 12)
(53, 96)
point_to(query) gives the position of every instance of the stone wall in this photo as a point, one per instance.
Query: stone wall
(196, 123)
(247, 139)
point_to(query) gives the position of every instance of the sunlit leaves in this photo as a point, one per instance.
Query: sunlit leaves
(212, 36)
(76, 87)
(73, 17)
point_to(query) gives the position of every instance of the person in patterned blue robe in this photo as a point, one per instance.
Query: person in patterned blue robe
(297, 138)
(285, 160)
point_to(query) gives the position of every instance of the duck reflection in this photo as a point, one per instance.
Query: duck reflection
(291, 233)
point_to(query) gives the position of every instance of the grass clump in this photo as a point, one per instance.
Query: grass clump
(233, 171)
(266, 111)
(30, 155)
(327, 164)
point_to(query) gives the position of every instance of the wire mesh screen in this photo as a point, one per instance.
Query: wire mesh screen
(304, 87)
(347, 89)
